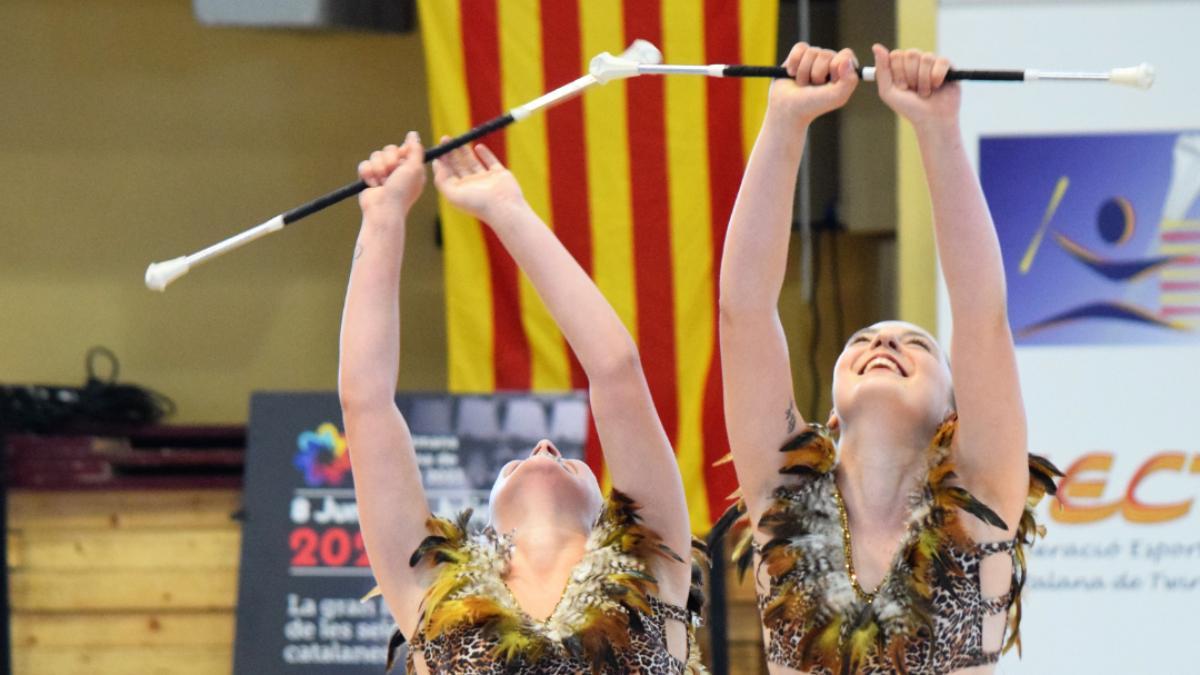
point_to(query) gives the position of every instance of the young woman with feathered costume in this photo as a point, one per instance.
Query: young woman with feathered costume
(901, 548)
(563, 580)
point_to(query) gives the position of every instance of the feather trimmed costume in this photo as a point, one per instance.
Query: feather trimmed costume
(926, 616)
(608, 619)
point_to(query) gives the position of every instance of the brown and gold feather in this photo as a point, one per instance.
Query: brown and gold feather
(608, 595)
(803, 558)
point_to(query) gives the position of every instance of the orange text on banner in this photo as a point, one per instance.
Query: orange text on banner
(1081, 491)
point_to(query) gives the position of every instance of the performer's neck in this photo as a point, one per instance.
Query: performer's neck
(880, 464)
(546, 548)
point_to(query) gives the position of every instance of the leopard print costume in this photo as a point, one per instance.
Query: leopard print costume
(927, 615)
(470, 652)
(958, 612)
(608, 620)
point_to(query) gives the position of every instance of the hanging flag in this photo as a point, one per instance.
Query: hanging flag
(637, 179)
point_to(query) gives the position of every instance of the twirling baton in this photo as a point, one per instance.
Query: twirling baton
(607, 67)
(159, 274)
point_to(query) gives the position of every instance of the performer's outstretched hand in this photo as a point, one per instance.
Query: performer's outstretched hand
(823, 81)
(395, 177)
(475, 181)
(913, 83)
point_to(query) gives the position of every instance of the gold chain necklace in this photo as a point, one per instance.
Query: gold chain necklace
(848, 553)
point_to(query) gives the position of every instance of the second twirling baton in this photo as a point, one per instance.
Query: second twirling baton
(159, 274)
(607, 67)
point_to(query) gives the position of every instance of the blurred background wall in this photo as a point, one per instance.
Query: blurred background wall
(133, 134)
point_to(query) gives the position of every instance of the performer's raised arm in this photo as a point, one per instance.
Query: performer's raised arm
(760, 409)
(636, 448)
(391, 502)
(991, 446)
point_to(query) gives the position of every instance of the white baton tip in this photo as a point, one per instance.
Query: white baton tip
(1140, 76)
(159, 274)
(643, 51)
(605, 68)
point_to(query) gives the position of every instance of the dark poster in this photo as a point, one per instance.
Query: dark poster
(304, 567)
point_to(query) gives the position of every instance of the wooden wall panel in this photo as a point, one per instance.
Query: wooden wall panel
(123, 581)
(89, 550)
(126, 590)
(122, 629)
(173, 660)
(173, 509)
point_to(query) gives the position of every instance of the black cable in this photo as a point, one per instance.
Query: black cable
(814, 371)
(99, 402)
(718, 612)
(839, 310)
(834, 226)
(34, 408)
(106, 402)
(5, 608)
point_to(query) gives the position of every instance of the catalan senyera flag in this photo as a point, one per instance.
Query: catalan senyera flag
(637, 179)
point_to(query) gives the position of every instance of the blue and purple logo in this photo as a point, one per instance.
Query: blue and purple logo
(1100, 235)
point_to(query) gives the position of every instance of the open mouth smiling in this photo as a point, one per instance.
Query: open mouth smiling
(883, 361)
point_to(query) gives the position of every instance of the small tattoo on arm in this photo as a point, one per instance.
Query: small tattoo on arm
(791, 416)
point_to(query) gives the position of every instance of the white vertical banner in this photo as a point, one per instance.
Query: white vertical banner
(1094, 190)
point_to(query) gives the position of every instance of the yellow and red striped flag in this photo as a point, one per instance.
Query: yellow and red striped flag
(637, 178)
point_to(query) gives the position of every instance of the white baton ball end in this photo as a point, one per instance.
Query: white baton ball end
(1140, 76)
(643, 52)
(158, 275)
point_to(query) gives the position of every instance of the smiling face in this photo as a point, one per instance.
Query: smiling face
(544, 483)
(893, 363)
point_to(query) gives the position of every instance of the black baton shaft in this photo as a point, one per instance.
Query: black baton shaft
(431, 154)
